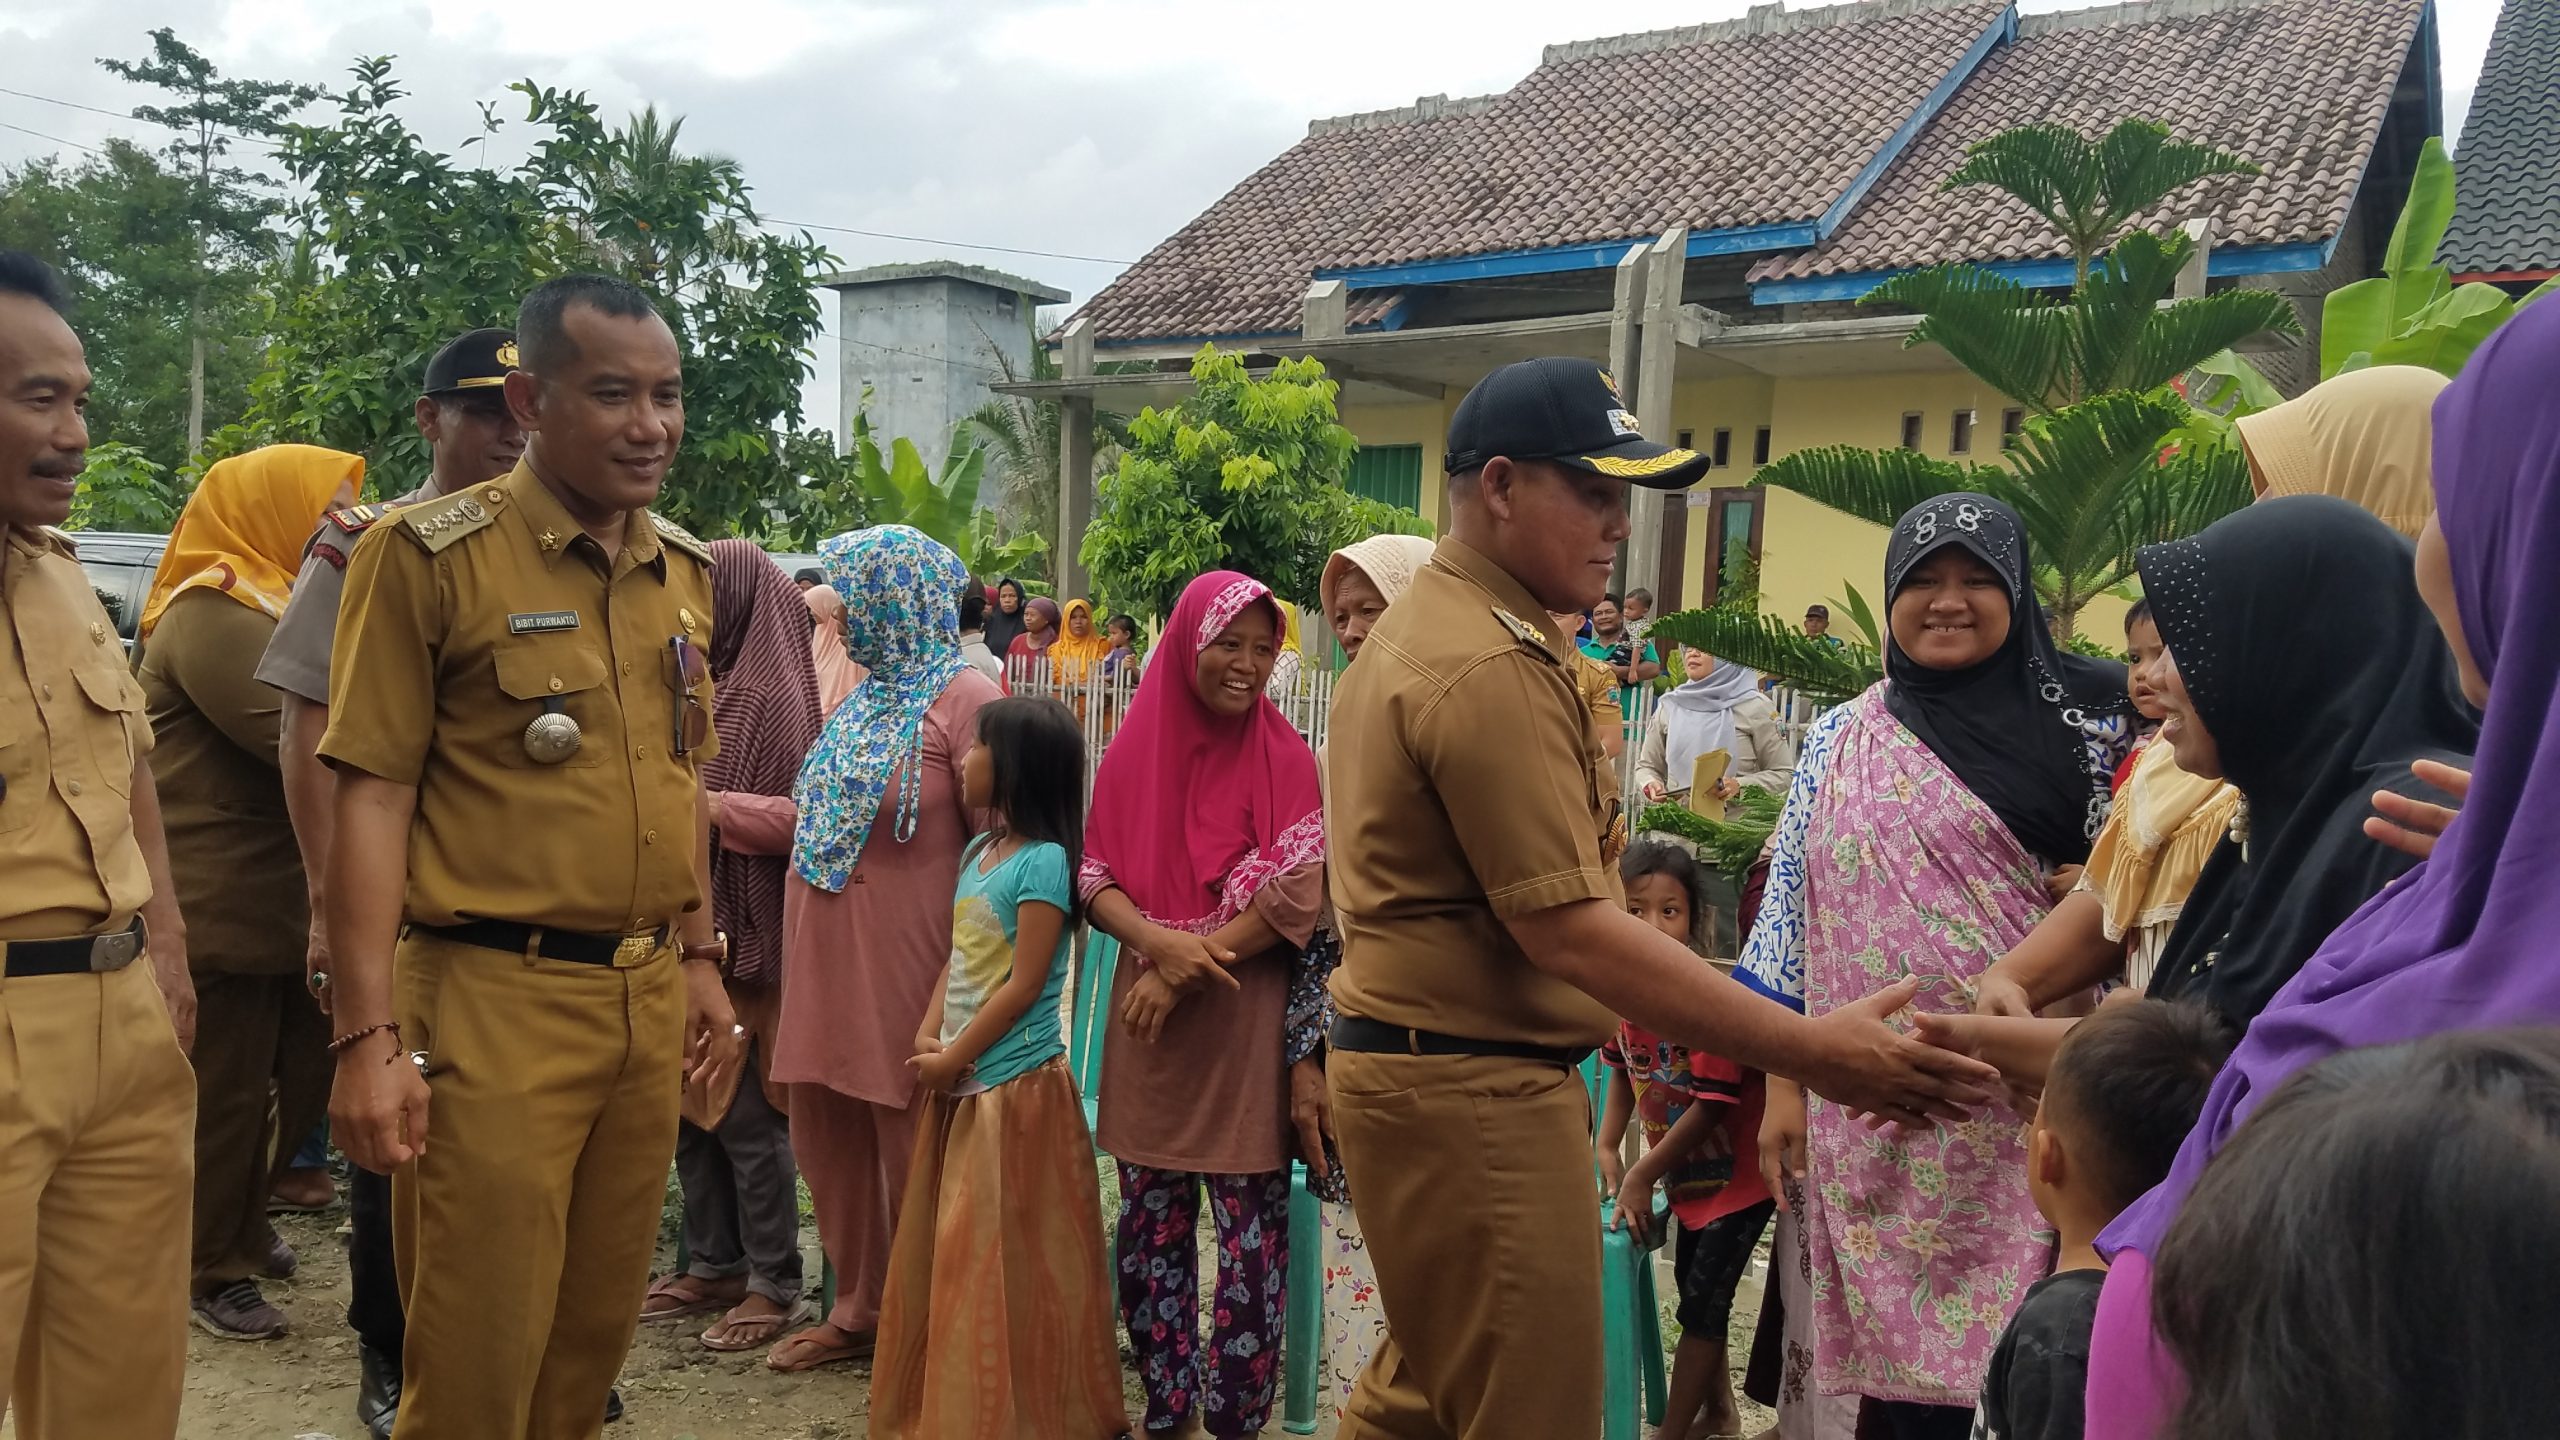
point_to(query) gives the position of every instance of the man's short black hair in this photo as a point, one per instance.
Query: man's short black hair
(973, 609)
(810, 575)
(1612, 599)
(2127, 1086)
(542, 334)
(24, 274)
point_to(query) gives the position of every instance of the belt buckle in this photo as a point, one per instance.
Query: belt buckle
(632, 949)
(113, 952)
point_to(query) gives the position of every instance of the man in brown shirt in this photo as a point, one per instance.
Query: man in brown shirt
(518, 708)
(473, 438)
(97, 1104)
(1486, 943)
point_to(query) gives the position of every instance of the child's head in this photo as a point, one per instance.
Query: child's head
(2142, 637)
(1028, 767)
(1665, 889)
(2371, 1254)
(1123, 632)
(2124, 1089)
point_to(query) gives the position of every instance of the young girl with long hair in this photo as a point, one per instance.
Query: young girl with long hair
(996, 1318)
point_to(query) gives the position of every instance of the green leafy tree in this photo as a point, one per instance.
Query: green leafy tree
(2092, 472)
(229, 212)
(1022, 439)
(401, 246)
(116, 225)
(1247, 475)
(124, 489)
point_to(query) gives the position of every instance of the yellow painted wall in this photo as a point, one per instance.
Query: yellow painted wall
(1424, 423)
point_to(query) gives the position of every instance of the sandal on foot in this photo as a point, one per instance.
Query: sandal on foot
(811, 1349)
(680, 1295)
(736, 1332)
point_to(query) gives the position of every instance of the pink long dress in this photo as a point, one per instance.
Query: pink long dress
(858, 970)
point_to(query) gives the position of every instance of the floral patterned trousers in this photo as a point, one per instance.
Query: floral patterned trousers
(1159, 1250)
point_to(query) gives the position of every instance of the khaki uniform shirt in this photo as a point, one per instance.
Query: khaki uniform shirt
(462, 617)
(71, 727)
(1464, 785)
(297, 659)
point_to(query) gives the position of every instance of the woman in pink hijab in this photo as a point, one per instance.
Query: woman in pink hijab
(837, 672)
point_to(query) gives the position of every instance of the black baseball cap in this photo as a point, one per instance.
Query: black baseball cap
(1566, 410)
(478, 360)
(1817, 612)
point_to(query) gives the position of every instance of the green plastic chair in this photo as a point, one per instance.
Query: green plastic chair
(1630, 1308)
(1302, 1332)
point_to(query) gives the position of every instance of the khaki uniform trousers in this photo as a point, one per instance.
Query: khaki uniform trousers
(255, 1035)
(1472, 1179)
(525, 1232)
(97, 1167)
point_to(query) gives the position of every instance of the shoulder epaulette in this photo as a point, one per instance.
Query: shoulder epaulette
(681, 538)
(356, 519)
(434, 524)
(1527, 634)
(60, 540)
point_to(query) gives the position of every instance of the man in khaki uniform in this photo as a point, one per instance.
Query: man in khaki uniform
(473, 439)
(1486, 943)
(97, 1103)
(518, 708)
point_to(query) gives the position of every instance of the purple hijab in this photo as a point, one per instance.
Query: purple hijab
(2462, 941)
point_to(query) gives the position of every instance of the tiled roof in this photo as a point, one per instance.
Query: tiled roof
(2506, 215)
(1761, 120)
(2298, 86)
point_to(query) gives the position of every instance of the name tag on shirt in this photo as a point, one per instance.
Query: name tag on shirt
(539, 622)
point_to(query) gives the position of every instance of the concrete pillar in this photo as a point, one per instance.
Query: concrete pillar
(1325, 313)
(1657, 362)
(2191, 276)
(1075, 461)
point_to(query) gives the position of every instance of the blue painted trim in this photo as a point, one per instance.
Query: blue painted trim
(1751, 239)
(2002, 31)
(2044, 274)
(1397, 317)
(1493, 265)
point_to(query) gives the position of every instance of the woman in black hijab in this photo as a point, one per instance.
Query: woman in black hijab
(2303, 667)
(1004, 618)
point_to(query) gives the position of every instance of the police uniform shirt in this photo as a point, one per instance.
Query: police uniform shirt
(465, 619)
(71, 728)
(1465, 786)
(297, 658)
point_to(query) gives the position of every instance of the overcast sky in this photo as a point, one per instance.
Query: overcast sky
(1085, 128)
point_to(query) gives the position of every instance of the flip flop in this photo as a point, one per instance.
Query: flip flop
(806, 1353)
(677, 1296)
(752, 1332)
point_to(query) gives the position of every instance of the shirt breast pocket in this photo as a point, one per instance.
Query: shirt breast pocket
(22, 765)
(115, 714)
(536, 670)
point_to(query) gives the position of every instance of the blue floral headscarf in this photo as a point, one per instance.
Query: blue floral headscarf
(901, 592)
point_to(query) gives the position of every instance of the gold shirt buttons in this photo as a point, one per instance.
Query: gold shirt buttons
(640, 752)
(71, 786)
(555, 684)
(48, 690)
(684, 617)
(651, 837)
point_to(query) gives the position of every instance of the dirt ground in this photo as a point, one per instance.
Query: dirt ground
(303, 1387)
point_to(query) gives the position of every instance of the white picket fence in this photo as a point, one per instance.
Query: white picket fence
(1100, 700)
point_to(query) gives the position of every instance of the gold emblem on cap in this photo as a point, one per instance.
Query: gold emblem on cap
(684, 617)
(507, 354)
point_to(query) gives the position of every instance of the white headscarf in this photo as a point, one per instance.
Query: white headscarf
(1389, 561)
(1697, 718)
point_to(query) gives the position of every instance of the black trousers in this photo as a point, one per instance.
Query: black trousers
(373, 1311)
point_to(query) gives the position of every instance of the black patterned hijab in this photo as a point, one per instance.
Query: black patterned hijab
(2025, 728)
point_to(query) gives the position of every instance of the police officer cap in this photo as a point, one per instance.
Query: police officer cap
(479, 360)
(1566, 410)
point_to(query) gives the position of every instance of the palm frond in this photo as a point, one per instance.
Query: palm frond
(1995, 327)
(2141, 164)
(2110, 309)
(2079, 470)
(2183, 495)
(2051, 169)
(2184, 334)
(1877, 486)
(1775, 649)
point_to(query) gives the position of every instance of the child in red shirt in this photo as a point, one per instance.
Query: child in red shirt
(1698, 1112)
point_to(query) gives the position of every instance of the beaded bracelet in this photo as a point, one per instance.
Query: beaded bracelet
(340, 1044)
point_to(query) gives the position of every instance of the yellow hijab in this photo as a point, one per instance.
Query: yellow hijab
(1072, 655)
(2364, 436)
(1288, 626)
(243, 530)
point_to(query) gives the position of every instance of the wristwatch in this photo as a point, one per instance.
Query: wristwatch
(715, 950)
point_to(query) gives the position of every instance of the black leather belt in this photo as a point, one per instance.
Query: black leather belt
(78, 955)
(574, 946)
(1372, 1037)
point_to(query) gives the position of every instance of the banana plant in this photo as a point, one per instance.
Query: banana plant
(904, 491)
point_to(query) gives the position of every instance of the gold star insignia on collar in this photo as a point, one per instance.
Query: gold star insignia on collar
(548, 539)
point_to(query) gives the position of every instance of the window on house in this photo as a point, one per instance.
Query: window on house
(2012, 420)
(1733, 541)
(1760, 446)
(1960, 433)
(1389, 473)
(1686, 440)
(1911, 420)
(1724, 448)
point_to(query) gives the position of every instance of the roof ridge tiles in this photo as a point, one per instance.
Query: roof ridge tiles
(1770, 19)
(2131, 12)
(1428, 107)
